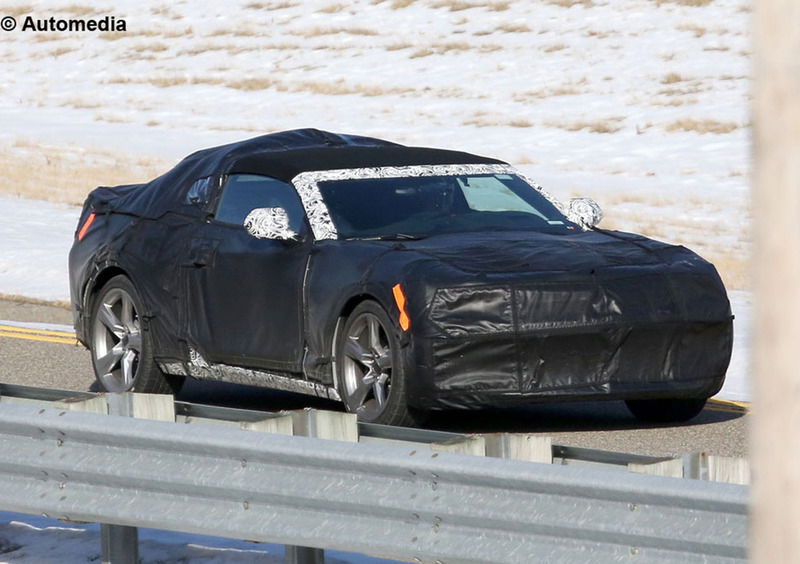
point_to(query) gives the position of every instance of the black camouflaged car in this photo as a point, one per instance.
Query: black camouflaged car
(396, 279)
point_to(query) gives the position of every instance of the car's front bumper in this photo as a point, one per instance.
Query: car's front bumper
(624, 337)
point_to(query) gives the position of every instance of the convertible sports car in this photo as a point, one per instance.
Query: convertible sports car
(396, 279)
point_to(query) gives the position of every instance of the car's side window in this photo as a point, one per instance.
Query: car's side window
(200, 192)
(243, 193)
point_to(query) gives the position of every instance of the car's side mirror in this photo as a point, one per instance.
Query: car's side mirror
(270, 223)
(584, 211)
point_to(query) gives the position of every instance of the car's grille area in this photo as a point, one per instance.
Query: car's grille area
(540, 337)
(599, 301)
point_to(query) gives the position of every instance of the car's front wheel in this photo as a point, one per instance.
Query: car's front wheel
(372, 380)
(122, 352)
(666, 410)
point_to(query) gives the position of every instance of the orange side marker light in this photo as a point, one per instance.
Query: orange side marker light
(400, 300)
(86, 225)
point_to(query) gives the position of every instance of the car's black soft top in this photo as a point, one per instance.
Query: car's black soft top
(281, 155)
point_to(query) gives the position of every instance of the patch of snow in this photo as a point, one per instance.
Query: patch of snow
(29, 539)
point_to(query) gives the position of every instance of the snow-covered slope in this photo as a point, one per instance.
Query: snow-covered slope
(641, 104)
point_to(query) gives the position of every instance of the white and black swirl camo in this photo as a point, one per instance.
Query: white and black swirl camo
(585, 212)
(269, 223)
(307, 185)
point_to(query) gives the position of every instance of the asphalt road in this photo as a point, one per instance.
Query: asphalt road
(604, 425)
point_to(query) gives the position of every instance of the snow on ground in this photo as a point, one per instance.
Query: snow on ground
(641, 104)
(28, 539)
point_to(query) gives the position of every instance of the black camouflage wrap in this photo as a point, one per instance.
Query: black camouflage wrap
(496, 318)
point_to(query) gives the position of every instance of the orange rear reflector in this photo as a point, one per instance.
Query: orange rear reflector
(400, 299)
(86, 225)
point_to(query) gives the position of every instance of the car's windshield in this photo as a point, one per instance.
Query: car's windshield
(421, 206)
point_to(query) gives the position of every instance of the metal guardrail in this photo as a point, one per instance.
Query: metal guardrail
(187, 411)
(376, 499)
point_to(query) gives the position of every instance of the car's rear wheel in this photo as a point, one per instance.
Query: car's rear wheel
(122, 352)
(371, 375)
(666, 410)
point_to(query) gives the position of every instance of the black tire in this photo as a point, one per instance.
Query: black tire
(369, 367)
(121, 347)
(666, 410)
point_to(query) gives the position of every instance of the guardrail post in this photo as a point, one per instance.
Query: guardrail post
(520, 446)
(670, 467)
(474, 445)
(119, 543)
(695, 466)
(330, 425)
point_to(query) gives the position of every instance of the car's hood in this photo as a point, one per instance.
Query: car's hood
(582, 279)
(518, 253)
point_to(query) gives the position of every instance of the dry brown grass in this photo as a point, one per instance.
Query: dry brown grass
(441, 49)
(57, 52)
(157, 47)
(79, 10)
(81, 104)
(320, 31)
(111, 118)
(498, 6)
(400, 4)
(399, 46)
(17, 11)
(600, 34)
(610, 125)
(697, 30)
(674, 102)
(554, 47)
(35, 301)
(269, 6)
(341, 88)
(703, 126)
(252, 84)
(114, 35)
(66, 174)
(419, 53)
(165, 81)
(482, 119)
(455, 5)
(694, 3)
(571, 3)
(332, 8)
(672, 78)
(513, 28)
(45, 37)
(566, 89)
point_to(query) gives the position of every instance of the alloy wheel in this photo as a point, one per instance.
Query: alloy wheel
(367, 366)
(116, 340)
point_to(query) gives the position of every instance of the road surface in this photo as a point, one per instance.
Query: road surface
(606, 425)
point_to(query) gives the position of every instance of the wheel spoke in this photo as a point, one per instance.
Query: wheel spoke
(108, 362)
(374, 334)
(127, 368)
(378, 391)
(358, 395)
(384, 361)
(135, 342)
(354, 350)
(127, 312)
(110, 320)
